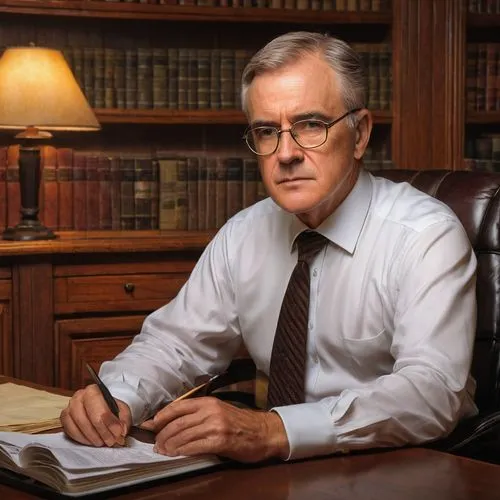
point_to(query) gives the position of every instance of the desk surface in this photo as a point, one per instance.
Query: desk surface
(406, 474)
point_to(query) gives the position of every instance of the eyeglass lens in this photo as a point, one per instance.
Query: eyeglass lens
(306, 133)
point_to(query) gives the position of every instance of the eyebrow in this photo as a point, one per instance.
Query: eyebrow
(312, 115)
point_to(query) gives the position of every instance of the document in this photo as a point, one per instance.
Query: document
(25, 409)
(75, 470)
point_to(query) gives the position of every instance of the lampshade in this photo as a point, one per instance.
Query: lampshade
(38, 89)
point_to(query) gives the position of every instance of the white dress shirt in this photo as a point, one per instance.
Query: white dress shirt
(392, 320)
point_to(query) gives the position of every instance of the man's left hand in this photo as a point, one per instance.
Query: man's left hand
(207, 425)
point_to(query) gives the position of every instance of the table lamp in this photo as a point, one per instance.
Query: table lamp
(38, 93)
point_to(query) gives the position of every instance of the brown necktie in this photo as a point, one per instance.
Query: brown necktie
(288, 358)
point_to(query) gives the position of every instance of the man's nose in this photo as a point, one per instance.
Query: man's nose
(288, 149)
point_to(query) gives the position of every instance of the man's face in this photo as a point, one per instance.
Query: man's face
(310, 183)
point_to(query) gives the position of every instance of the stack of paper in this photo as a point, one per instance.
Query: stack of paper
(29, 410)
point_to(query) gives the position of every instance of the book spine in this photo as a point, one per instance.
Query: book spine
(192, 190)
(99, 83)
(116, 178)
(119, 79)
(192, 79)
(65, 180)
(130, 78)
(110, 58)
(92, 198)
(181, 199)
(183, 80)
(168, 193)
(202, 193)
(210, 221)
(227, 78)
(203, 59)
(173, 78)
(127, 214)
(79, 191)
(143, 192)
(234, 168)
(144, 78)
(221, 193)
(215, 101)
(250, 181)
(104, 177)
(160, 78)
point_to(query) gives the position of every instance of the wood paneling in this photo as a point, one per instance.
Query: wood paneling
(429, 82)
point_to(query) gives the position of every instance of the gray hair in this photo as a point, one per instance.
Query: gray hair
(287, 48)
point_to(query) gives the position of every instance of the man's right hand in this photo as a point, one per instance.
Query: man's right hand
(88, 420)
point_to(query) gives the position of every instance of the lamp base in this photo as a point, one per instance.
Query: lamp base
(28, 231)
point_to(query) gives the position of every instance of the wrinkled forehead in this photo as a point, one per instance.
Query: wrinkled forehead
(307, 85)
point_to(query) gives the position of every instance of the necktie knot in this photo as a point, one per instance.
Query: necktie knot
(309, 243)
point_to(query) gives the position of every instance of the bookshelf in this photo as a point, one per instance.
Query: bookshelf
(482, 82)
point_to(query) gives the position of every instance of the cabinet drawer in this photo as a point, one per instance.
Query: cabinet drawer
(133, 292)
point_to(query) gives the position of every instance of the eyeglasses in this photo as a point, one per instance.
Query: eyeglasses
(307, 134)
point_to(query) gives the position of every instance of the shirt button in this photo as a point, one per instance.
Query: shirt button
(315, 273)
(311, 326)
(315, 358)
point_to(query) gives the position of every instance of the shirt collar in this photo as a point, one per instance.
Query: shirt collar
(344, 226)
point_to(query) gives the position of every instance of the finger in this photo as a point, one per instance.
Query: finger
(190, 448)
(148, 425)
(109, 428)
(71, 429)
(177, 409)
(179, 431)
(80, 420)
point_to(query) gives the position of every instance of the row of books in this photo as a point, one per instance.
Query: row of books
(94, 190)
(85, 190)
(187, 78)
(483, 153)
(484, 6)
(483, 147)
(483, 77)
(336, 5)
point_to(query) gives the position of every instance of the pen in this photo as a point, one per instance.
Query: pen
(110, 400)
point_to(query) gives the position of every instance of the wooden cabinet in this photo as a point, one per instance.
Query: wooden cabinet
(90, 340)
(73, 301)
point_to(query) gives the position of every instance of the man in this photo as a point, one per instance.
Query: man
(391, 311)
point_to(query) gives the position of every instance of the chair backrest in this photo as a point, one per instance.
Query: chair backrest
(475, 198)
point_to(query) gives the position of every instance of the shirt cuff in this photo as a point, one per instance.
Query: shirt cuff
(309, 428)
(128, 394)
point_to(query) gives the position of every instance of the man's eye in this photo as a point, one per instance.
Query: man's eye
(312, 124)
(264, 132)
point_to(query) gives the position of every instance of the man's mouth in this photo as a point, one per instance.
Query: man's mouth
(293, 179)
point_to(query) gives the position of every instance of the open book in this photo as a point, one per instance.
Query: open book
(75, 470)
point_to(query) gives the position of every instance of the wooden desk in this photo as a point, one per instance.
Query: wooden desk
(410, 474)
(406, 474)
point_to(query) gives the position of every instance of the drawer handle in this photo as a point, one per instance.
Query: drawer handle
(129, 287)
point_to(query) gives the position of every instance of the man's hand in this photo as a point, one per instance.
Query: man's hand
(209, 426)
(88, 420)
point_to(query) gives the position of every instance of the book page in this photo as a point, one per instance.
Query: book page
(25, 409)
(73, 456)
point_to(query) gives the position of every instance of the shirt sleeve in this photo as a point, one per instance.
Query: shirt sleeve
(195, 334)
(433, 290)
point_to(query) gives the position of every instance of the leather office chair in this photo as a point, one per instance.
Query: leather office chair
(475, 198)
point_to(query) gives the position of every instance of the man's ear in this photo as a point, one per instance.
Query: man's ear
(363, 132)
